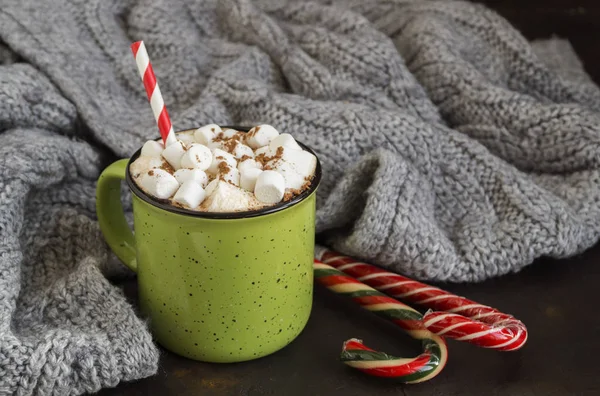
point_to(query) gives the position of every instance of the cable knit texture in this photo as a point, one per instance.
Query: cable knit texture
(452, 148)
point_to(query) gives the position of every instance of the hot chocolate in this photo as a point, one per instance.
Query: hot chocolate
(214, 170)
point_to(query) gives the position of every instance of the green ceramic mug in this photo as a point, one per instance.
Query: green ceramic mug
(216, 287)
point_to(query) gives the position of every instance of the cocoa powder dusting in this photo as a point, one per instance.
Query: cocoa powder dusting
(306, 185)
(263, 158)
(238, 136)
(221, 138)
(251, 133)
(167, 167)
(151, 172)
(291, 193)
(244, 158)
(279, 153)
(230, 145)
(224, 167)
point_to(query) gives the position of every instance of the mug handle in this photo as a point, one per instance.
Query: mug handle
(110, 213)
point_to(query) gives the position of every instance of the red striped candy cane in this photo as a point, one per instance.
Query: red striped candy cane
(154, 96)
(412, 370)
(464, 320)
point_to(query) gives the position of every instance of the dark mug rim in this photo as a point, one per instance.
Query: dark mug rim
(164, 205)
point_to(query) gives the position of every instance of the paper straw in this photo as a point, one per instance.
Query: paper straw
(154, 96)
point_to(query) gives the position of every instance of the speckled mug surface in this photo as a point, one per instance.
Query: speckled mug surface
(216, 287)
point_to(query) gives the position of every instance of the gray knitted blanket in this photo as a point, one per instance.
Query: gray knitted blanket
(452, 148)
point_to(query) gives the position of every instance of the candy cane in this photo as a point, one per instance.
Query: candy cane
(465, 320)
(154, 96)
(421, 368)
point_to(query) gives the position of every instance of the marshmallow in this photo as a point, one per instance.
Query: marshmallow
(249, 163)
(232, 176)
(261, 135)
(284, 140)
(190, 194)
(197, 175)
(270, 187)
(210, 187)
(236, 185)
(204, 135)
(159, 183)
(197, 156)
(216, 145)
(266, 150)
(296, 167)
(152, 148)
(248, 178)
(173, 154)
(241, 150)
(228, 133)
(218, 157)
(186, 138)
(143, 164)
(225, 197)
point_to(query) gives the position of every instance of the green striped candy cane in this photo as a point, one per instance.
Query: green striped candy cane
(409, 370)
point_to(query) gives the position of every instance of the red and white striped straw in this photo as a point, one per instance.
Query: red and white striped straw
(154, 96)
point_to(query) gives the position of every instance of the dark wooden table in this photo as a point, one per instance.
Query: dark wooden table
(556, 299)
